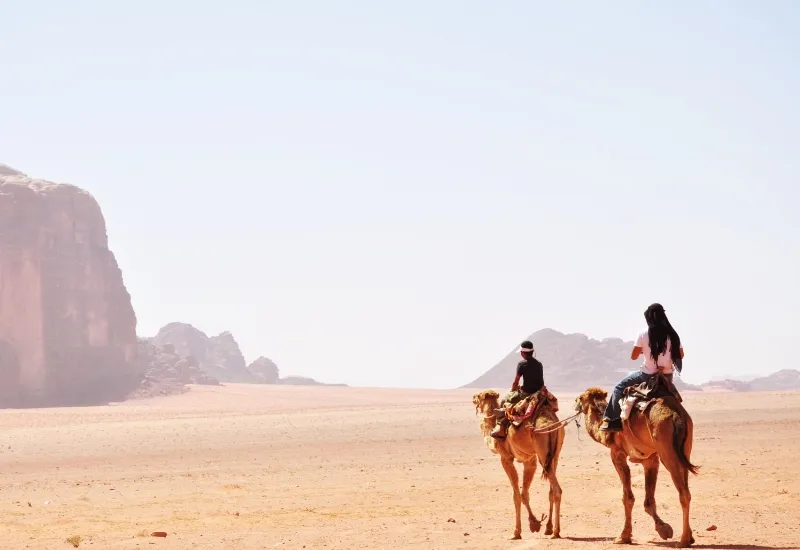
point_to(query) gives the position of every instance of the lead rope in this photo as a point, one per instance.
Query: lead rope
(556, 425)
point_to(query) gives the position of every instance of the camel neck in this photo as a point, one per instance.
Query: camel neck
(594, 419)
(488, 420)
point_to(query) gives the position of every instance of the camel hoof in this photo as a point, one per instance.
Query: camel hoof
(623, 540)
(516, 536)
(556, 536)
(664, 531)
(548, 531)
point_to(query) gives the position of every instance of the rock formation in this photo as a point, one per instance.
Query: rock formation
(727, 385)
(218, 356)
(166, 372)
(783, 380)
(265, 370)
(572, 362)
(67, 328)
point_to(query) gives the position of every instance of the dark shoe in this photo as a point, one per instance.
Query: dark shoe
(612, 425)
(499, 432)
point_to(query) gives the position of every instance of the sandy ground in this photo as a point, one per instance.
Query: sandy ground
(281, 467)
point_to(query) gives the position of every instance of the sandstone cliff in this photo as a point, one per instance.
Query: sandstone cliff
(572, 362)
(67, 328)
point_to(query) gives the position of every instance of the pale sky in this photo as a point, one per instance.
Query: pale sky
(396, 193)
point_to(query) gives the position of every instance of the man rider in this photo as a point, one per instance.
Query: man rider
(531, 372)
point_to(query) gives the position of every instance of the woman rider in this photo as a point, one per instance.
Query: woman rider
(661, 347)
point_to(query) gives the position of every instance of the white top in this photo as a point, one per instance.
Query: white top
(664, 360)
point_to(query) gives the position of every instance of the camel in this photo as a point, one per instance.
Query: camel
(662, 433)
(522, 445)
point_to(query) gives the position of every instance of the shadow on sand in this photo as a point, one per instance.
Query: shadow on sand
(591, 539)
(671, 544)
(730, 546)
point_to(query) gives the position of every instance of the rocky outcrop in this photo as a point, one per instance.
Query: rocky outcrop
(218, 356)
(572, 362)
(265, 370)
(783, 380)
(166, 372)
(224, 354)
(67, 328)
(727, 385)
(304, 381)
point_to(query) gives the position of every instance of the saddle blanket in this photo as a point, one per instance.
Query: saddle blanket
(641, 396)
(529, 407)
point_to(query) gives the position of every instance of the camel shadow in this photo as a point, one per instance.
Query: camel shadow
(592, 539)
(672, 544)
(732, 546)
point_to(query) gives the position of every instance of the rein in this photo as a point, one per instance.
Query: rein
(556, 425)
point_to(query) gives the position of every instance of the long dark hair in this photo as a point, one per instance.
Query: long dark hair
(659, 330)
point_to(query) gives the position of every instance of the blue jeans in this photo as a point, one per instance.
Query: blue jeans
(613, 410)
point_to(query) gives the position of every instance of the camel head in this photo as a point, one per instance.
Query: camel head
(593, 397)
(486, 402)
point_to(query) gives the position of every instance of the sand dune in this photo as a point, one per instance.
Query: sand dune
(292, 467)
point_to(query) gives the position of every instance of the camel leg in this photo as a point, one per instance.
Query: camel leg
(513, 478)
(650, 478)
(528, 473)
(554, 520)
(680, 477)
(621, 464)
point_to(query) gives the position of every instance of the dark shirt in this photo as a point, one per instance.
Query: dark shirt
(532, 374)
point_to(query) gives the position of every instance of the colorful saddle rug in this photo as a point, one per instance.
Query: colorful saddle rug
(530, 407)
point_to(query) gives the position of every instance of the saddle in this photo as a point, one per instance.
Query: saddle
(641, 396)
(529, 408)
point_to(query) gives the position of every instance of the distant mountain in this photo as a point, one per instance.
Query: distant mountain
(737, 378)
(727, 384)
(572, 362)
(787, 379)
(783, 380)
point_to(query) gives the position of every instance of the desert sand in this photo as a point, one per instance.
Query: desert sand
(316, 467)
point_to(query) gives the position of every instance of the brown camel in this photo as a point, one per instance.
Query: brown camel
(522, 445)
(662, 433)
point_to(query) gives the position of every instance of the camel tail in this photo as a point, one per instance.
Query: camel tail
(679, 436)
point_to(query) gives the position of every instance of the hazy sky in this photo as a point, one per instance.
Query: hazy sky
(396, 193)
